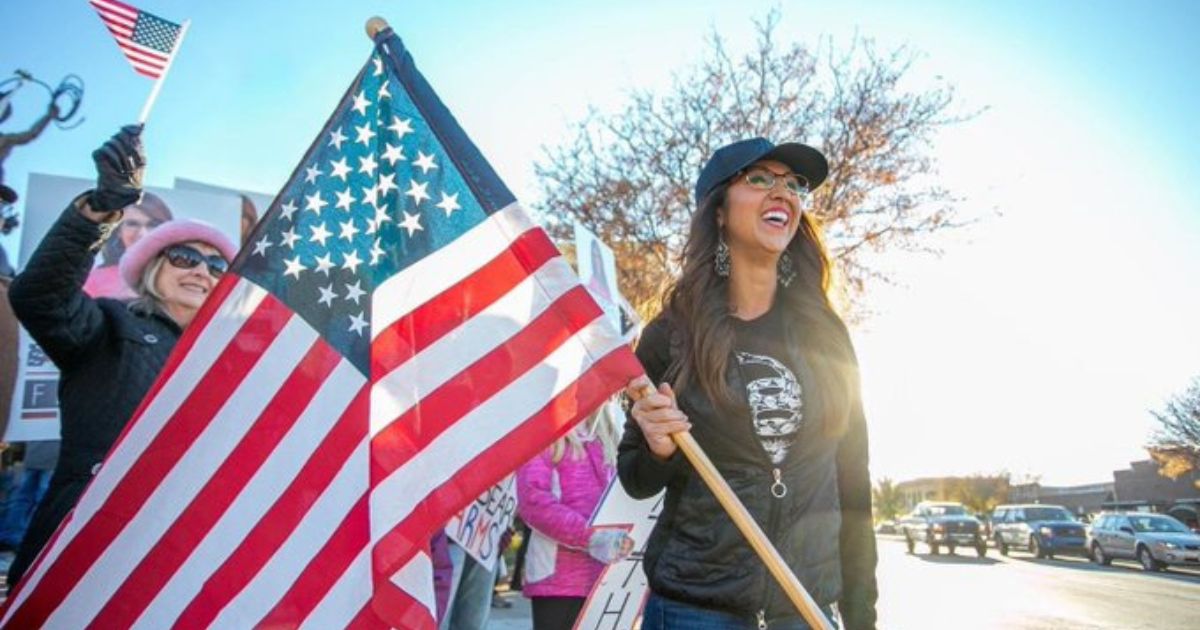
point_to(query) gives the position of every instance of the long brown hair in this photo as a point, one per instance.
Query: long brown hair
(698, 305)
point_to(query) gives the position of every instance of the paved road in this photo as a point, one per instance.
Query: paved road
(1022, 593)
(964, 592)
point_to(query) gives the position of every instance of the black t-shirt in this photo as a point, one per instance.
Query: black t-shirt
(774, 392)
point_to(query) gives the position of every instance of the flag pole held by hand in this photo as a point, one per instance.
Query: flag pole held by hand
(183, 29)
(745, 523)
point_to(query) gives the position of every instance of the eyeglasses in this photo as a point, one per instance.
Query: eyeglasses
(764, 179)
(187, 257)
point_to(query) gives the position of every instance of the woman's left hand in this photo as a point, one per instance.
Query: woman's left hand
(610, 545)
(120, 164)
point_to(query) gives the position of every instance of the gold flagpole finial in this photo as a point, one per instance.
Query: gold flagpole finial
(374, 25)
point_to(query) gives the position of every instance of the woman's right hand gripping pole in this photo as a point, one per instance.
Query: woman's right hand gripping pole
(657, 415)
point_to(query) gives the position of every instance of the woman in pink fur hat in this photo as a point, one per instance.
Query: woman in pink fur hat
(109, 352)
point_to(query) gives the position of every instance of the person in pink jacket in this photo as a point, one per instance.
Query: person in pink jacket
(557, 491)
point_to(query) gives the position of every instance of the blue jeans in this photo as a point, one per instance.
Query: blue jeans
(470, 592)
(665, 614)
(23, 499)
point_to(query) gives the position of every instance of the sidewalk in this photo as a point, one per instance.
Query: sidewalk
(519, 617)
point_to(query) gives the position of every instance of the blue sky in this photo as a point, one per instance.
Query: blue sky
(1035, 344)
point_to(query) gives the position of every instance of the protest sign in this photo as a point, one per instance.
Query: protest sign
(479, 526)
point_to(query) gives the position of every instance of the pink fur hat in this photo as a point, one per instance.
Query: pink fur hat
(134, 262)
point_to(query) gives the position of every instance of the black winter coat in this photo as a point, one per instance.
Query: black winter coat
(821, 525)
(108, 355)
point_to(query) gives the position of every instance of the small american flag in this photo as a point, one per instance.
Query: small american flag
(395, 338)
(147, 40)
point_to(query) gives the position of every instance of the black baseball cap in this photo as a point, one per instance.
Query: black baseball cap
(725, 162)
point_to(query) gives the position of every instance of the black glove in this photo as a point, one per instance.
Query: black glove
(120, 163)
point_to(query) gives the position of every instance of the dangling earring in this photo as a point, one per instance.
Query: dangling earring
(785, 271)
(721, 262)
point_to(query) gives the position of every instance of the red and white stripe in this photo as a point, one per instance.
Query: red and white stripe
(464, 389)
(265, 481)
(120, 19)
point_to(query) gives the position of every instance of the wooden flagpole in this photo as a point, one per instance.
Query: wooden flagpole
(183, 29)
(745, 523)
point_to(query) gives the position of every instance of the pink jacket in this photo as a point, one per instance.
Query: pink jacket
(559, 513)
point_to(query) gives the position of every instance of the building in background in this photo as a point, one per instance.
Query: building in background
(1141, 488)
(1080, 500)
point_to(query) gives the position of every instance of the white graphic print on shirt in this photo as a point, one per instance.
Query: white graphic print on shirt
(773, 393)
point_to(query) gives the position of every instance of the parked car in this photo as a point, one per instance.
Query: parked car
(938, 523)
(886, 527)
(1042, 530)
(1155, 540)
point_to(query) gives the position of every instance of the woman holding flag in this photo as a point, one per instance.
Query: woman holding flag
(109, 352)
(753, 360)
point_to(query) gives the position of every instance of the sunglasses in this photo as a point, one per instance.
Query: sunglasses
(764, 179)
(187, 257)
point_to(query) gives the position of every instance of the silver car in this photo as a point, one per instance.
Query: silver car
(1154, 540)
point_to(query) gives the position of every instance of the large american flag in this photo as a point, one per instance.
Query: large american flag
(396, 337)
(147, 40)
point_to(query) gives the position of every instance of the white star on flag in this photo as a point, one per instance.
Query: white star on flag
(289, 238)
(336, 138)
(340, 168)
(352, 261)
(314, 202)
(311, 174)
(287, 209)
(360, 104)
(354, 291)
(319, 234)
(387, 183)
(327, 295)
(294, 267)
(400, 127)
(364, 133)
(381, 215)
(449, 203)
(376, 252)
(325, 263)
(260, 246)
(344, 199)
(348, 230)
(367, 164)
(357, 323)
(412, 223)
(417, 192)
(371, 196)
(424, 162)
(393, 154)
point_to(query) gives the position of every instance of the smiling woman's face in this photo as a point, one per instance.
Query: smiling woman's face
(183, 291)
(756, 221)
